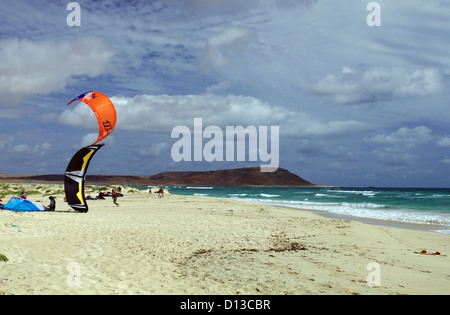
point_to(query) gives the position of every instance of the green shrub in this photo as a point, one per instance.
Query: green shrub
(3, 258)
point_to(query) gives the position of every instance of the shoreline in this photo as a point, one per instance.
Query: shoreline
(377, 222)
(370, 221)
(435, 228)
(193, 245)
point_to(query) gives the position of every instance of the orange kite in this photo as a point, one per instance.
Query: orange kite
(104, 111)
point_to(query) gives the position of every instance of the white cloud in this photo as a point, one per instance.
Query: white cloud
(270, 51)
(90, 138)
(405, 137)
(444, 141)
(204, 8)
(30, 68)
(46, 146)
(336, 128)
(219, 87)
(397, 159)
(153, 151)
(79, 115)
(161, 113)
(229, 41)
(37, 149)
(6, 140)
(21, 148)
(351, 86)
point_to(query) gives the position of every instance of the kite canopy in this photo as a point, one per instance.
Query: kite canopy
(75, 177)
(21, 205)
(104, 111)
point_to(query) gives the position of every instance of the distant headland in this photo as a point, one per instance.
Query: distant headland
(233, 177)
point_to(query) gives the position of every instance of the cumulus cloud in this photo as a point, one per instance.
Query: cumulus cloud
(155, 150)
(88, 139)
(229, 41)
(405, 137)
(29, 68)
(219, 87)
(444, 141)
(352, 86)
(396, 159)
(161, 113)
(79, 115)
(36, 149)
(445, 161)
(200, 8)
(329, 129)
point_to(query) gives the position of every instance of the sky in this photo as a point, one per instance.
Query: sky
(356, 105)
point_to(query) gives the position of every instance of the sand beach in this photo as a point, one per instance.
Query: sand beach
(205, 246)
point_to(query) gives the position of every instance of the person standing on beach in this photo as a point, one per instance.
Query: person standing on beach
(114, 195)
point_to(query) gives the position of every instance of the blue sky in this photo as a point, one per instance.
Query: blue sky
(356, 105)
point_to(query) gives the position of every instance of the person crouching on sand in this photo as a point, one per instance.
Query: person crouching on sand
(52, 205)
(114, 195)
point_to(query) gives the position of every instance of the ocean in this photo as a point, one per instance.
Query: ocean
(408, 205)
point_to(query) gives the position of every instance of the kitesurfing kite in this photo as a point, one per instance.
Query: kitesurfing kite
(103, 109)
(75, 175)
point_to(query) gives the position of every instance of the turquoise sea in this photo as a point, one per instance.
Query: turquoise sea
(408, 205)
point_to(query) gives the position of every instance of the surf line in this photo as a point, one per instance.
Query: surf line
(235, 137)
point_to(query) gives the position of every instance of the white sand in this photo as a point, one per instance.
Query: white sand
(195, 245)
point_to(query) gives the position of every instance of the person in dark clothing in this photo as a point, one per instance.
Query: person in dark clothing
(52, 205)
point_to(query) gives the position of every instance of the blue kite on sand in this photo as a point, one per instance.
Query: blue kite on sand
(21, 205)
